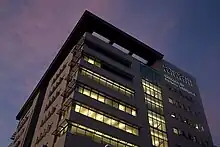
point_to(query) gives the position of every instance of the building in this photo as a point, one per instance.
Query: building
(107, 88)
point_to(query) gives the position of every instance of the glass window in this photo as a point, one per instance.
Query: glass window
(121, 126)
(115, 104)
(99, 117)
(81, 131)
(128, 110)
(121, 145)
(106, 140)
(97, 138)
(77, 108)
(98, 64)
(133, 112)
(175, 130)
(128, 129)
(107, 120)
(94, 95)
(91, 61)
(92, 114)
(86, 58)
(121, 107)
(115, 123)
(80, 89)
(73, 129)
(108, 101)
(84, 111)
(135, 131)
(113, 142)
(89, 134)
(170, 100)
(86, 92)
(100, 137)
(101, 98)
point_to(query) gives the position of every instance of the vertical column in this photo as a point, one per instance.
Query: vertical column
(144, 137)
(155, 113)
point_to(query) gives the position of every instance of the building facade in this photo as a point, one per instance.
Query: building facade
(107, 88)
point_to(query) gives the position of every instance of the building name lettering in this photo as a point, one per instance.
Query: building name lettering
(177, 75)
(178, 84)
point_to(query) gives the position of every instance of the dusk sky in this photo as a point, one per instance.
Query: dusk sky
(187, 32)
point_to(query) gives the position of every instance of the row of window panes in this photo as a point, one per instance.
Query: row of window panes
(155, 108)
(156, 116)
(151, 99)
(92, 60)
(150, 91)
(157, 124)
(154, 104)
(179, 104)
(151, 86)
(98, 136)
(101, 97)
(106, 82)
(187, 121)
(158, 133)
(158, 142)
(189, 137)
(109, 120)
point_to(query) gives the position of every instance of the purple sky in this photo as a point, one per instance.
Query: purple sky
(32, 32)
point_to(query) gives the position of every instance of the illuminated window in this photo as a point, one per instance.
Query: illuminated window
(170, 100)
(107, 120)
(153, 99)
(86, 92)
(121, 107)
(156, 116)
(109, 102)
(151, 89)
(157, 121)
(101, 97)
(115, 123)
(133, 112)
(77, 108)
(109, 83)
(99, 136)
(116, 105)
(94, 95)
(121, 126)
(128, 110)
(154, 104)
(83, 110)
(91, 114)
(99, 116)
(173, 115)
(175, 131)
(128, 129)
(196, 126)
(159, 139)
(91, 60)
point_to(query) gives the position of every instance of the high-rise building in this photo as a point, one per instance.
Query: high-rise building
(107, 88)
